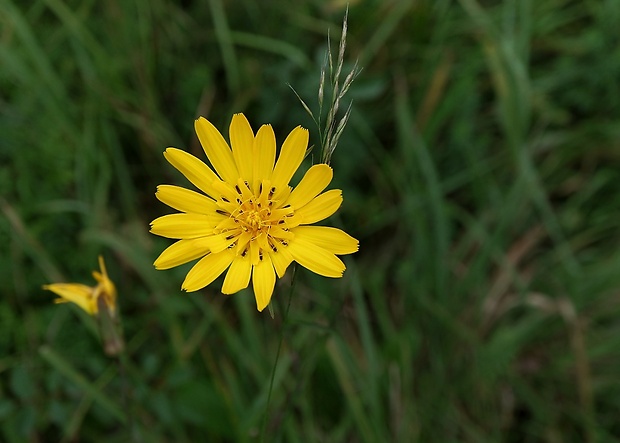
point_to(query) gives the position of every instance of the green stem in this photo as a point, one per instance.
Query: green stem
(275, 364)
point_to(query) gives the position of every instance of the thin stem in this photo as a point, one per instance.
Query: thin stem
(275, 364)
(127, 398)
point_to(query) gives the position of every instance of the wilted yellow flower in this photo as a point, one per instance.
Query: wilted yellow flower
(89, 298)
(250, 221)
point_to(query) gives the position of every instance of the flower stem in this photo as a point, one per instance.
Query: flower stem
(275, 364)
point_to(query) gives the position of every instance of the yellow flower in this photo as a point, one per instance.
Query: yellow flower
(250, 221)
(90, 299)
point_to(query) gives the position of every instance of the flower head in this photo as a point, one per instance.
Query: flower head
(249, 220)
(90, 298)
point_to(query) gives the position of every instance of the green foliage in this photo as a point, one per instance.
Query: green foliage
(479, 168)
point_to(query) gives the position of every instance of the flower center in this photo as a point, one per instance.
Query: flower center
(254, 219)
(256, 223)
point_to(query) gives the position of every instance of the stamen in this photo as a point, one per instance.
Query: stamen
(238, 189)
(225, 199)
(273, 247)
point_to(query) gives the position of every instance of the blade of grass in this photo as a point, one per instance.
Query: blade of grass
(65, 368)
(271, 45)
(343, 366)
(413, 145)
(225, 41)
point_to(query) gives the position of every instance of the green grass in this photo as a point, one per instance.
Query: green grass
(479, 168)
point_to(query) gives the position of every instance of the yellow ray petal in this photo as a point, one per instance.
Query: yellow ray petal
(225, 190)
(280, 233)
(217, 150)
(238, 275)
(282, 195)
(315, 258)
(221, 241)
(320, 207)
(198, 173)
(185, 200)
(263, 281)
(105, 290)
(242, 142)
(102, 268)
(333, 240)
(206, 270)
(264, 153)
(183, 225)
(182, 251)
(243, 243)
(314, 181)
(81, 295)
(281, 260)
(254, 252)
(291, 156)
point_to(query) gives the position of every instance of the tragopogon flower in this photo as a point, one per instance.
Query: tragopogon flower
(89, 298)
(250, 221)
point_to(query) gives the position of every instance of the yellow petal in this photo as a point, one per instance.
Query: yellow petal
(242, 142)
(225, 190)
(254, 252)
(238, 275)
(243, 243)
(291, 156)
(226, 223)
(182, 251)
(281, 260)
(81, 295)
(198, 173)
(263, 244)
(106, 288)
(206, 270)
(320, 207)
(280, 233)
(183, 225)
(185, 200)
(263, 281)
(333, 240)
(104, 272)
(217, 150)
(315, 180)
(315, 258)
(281, 196)
(264, 153)
(219, 242)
